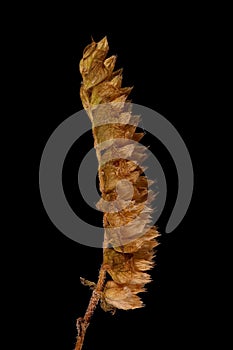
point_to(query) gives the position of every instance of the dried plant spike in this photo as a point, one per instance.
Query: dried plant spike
(129, 238)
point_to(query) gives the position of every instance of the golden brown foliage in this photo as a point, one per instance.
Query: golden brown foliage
(129, 239)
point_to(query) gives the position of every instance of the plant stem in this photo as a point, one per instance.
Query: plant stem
(83, 322)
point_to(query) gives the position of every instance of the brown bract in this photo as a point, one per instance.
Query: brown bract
(129, 237)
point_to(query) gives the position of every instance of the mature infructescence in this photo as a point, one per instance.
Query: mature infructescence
(129, 237)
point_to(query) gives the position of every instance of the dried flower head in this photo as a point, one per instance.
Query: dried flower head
(129, 238)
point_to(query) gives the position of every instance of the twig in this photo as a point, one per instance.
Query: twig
(83, 322)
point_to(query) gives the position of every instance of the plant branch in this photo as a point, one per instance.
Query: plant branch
(83, 322)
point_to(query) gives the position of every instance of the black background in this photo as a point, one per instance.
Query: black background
(162, 56)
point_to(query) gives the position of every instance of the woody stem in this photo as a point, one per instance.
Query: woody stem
(83, 322)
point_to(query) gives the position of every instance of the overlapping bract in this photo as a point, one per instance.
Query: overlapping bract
(129, 237)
